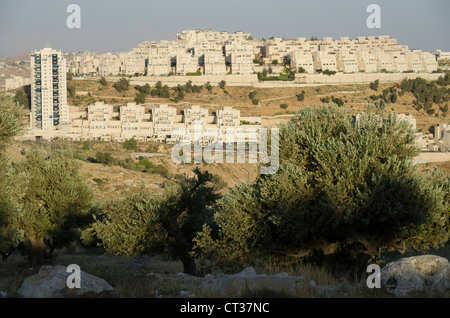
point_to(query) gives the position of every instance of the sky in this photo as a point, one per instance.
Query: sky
(120, 25)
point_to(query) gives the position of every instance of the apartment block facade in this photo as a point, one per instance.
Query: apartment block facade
(194, 49)
(49, 108)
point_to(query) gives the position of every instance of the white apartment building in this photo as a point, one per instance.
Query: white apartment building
(135, 123)
(164, 119)
(302, 59)
(439, 130)
(400, 62)
(214, 63)
(228, 118)
(367, 61)
(186, 63)
(49, 109)
(384, 61)
(85, 63)
(161, 123)
(131, 63)
(109, 65)
(101, 124)
(159, 64)
(346, 62)
(325, 60)
(241, 62)
(442, 136)
(440, 55)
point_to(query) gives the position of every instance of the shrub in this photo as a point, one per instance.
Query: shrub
(374, 85)
(130, 145)
(122, 85)
(162, 171)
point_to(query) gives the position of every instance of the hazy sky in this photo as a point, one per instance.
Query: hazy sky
(113, 25)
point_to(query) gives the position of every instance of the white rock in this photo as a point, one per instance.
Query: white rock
(51, 282)
(417, 274)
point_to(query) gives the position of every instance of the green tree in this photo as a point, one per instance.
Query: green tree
(140, 98)
(265, 72)
(147, 224)
(12, 184)
(72, 90)
(338, 101)
(56, 202)
(131, 145)
(122, 85)
(103, 81)
(393, 98)
(374, 85)
(104, 158)
(22, 98)
(344, 192)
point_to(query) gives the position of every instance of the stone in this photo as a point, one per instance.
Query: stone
(51, 282)
(417, 274)
(248, 282)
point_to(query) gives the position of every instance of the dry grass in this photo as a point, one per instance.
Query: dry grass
(150, 277)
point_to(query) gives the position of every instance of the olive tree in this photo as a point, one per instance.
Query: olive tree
(147, 224)
(11, 183)
(56, 202)
(345, 191)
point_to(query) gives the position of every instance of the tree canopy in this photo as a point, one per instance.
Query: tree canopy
(344, 191)
(145, 224)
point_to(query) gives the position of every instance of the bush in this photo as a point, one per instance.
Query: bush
(97, 180)
(86, 145)
(197, 73)
(162, 171)
(103, 81)
(338, 101)
(374, 85)
(140, 98)
(328, 72)
(130, 145)
(104, 158)
(284, 106)
(122, 85)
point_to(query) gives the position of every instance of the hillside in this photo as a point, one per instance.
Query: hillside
(109, 181)
(269, 99)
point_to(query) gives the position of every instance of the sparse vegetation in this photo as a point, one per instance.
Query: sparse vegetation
(122, 85)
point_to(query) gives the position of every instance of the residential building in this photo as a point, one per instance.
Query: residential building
(49, 109)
